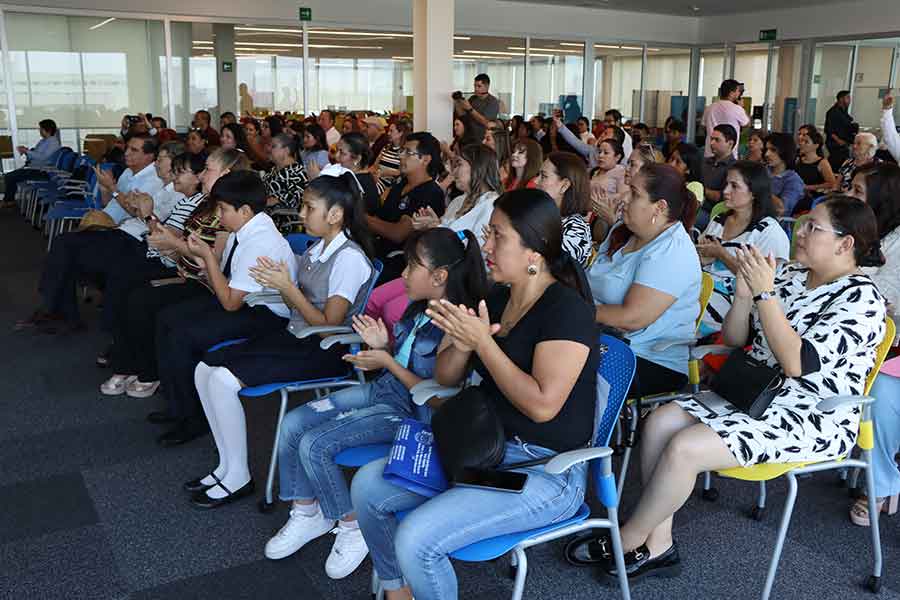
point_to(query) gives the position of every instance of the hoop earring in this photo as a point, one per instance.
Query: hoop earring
(532, 270)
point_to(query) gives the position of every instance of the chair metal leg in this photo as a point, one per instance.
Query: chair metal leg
(761, 501)
(873, 515)
(631, 436)
(626, 458)
(854, 478)
(782, 534)
(521, 572)
(618, 553)
(270, 482)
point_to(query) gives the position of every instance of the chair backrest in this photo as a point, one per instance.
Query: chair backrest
(59, 156)
(614, 375)
(379, 267)
(706, 289)
(68, 161)
(300, 242)
(881, 353)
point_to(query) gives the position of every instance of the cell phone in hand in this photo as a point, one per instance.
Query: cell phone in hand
(491, 479)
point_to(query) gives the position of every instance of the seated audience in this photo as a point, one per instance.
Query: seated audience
(780, 313)
(226, 118)
(613, 118)
(787, 187)
(640, 133)
(184, 331)
(756, 146)
(646, 278)
(607, 208)
(134, 351)
(750, 220)
(35, 159)
(140, 176)
(722, 141)
(862, 155)
(388, 162)
(420, 163)
(327, 285)
(196, 143)
(496, 137)
(326, 122)
(813, 169)
(233, 137)
(674, 135)
(441, 264)
(565, 179)
(354, 153)
(256, 147)
(315, 149)
(375, 132)
(476, 175)
(525, 164)
(202, 122)
(584, 131)
(688, 160)
(533, 343)
(287, 179)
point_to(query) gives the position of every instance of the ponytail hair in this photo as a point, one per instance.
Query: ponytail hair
(291, 142)
(344, 192)
(661, 182)
(855, 218)
(456, 252)
(536, 218)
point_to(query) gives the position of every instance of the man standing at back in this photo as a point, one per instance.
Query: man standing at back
(479, 109)
(326, 120)
(727, 110)
(839, 130)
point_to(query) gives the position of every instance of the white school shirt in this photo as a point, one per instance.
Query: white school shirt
(258, 237)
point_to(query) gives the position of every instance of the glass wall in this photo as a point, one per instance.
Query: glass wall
(193, 72)
(503, 59)
(784, 88)
(666, 84)
(555, 78)
(712, 73)
(83, 72)
(831, 74)
(870, 80)
(617, 72)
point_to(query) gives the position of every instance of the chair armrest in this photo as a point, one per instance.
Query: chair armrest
(663, 345)
(839, 401)
(425, 390)
(566, 460)
(256, 298)
(699, 352)
(347, 338)
(322, 329)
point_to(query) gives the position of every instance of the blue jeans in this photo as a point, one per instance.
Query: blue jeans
(314, 433)
(886, 416)
(417, 549)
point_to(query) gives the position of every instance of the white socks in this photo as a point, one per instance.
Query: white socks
(307, 510)
(218, 389)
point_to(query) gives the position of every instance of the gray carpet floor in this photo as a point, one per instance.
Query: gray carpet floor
(91, 507)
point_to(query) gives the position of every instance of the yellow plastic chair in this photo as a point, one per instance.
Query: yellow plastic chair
(634, 405)
(865, 441)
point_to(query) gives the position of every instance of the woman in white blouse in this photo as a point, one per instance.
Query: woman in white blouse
(883, 195)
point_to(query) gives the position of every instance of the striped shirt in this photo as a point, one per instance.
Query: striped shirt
(390, 159)
(176, 220)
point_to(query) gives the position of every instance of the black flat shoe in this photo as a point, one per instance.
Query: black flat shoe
(638, 564)
(202, 500)
(182, 434)
(196, 485)
(160, 418)
(588, 549)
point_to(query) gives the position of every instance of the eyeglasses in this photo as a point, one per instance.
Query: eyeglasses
(810, 226)
(408, 152)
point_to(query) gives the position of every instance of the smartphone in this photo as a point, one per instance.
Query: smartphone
(490, 479)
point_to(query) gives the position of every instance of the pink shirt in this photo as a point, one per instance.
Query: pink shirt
(723, 112)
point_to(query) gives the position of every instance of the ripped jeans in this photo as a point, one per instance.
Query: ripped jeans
(314, 433)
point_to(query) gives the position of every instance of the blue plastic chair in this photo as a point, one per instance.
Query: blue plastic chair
(337, 335)
(300, 242)
(617, 366)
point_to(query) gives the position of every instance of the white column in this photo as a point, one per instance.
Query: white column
(433, 22)
(587, 96)
(693, 84)
(226, 83)
(306, 69)
(10, 92)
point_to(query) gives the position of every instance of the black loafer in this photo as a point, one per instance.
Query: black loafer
(203, 501)
(638, 564)
(196, 485)
(588, 549)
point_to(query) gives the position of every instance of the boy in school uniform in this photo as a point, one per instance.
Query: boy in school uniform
(185, 331)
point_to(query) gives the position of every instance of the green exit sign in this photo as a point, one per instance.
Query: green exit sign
(768, 35)
(305, 14)
(227, 66)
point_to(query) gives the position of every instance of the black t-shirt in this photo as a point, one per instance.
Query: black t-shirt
(396, 205)
(370, 192)
(560, 314)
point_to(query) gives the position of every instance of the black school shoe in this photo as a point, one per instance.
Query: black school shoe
(588, 549)
(638, 564)
(202, 500)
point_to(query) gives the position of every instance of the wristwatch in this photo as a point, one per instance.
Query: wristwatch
(764, 296)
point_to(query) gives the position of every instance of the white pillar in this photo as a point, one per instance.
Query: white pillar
(433, 22)
(226, 82)
(587, 97)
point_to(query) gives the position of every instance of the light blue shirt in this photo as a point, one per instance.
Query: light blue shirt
(668, 264)
(39, 156)
(146, 180)
(790, 188)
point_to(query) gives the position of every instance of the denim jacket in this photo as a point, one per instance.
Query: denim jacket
(389, 389)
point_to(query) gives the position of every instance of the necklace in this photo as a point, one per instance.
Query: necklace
(512, 315)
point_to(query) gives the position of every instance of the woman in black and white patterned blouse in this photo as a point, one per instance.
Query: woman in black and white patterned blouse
(564, 177)
(287, 179)
(819, 322)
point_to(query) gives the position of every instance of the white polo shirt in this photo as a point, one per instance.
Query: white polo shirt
(146, 180)
(258, 237)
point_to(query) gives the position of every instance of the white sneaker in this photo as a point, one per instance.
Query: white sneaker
(296, 533)
(347, 553)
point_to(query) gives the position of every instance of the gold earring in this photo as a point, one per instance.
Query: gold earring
(532, 270)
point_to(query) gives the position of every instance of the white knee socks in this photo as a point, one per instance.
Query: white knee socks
(223, 388)
(202, 374)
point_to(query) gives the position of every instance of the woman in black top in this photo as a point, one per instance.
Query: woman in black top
(533, 342)
(354, 153)
(811, 165)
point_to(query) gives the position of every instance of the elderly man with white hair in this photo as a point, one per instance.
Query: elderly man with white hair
(862, 155)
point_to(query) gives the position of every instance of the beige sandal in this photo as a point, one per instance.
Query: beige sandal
(116, 385)
(859, 510)
(139, 389)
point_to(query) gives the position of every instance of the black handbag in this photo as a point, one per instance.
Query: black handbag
(469, 434)
(751, 385)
